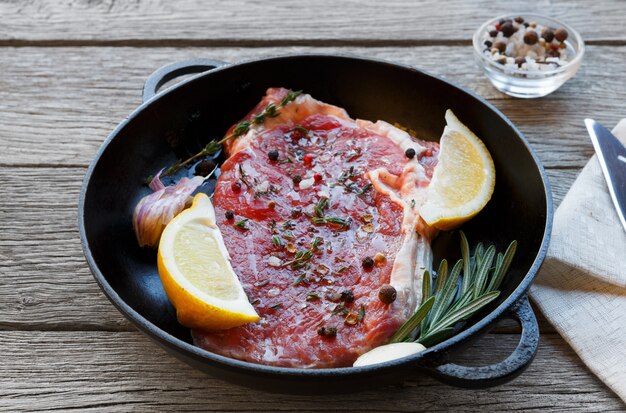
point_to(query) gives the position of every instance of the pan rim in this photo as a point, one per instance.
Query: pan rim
(198, 353)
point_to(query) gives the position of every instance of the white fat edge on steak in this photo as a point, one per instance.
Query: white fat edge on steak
(291, 114)
(415, 254)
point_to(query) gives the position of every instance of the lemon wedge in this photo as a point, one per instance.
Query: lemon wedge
(464, 178)
(196, 273)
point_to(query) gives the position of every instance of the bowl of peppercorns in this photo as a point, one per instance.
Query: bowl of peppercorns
(529, 55)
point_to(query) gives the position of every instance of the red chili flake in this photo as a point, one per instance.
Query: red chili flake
(307, 159)
(235, 186)
(497, 26)
(318, 177)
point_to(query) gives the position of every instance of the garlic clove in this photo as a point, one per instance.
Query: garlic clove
(388, 352)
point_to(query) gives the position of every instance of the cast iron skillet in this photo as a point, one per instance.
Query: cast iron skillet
(182, 119)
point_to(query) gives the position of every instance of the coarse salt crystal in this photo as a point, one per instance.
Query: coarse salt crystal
(273, 292)
(274, 261)
(307, 183)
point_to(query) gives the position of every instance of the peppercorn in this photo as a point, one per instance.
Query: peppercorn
(235, 186)
(367, 262)
(519, 19)
(561, 34)
(519, 61)
(296, 179)
(526, 24)
(307, 159)
(273, 155)
(327, 331)
(229, 215)
(347, 296)
(488, 44)
(205, 167)
(493, 33)
(271, 205)
(507, 29)
(547, 34)
(410, 153)
(380, 259)
(318, 177)
(387, 294)
(500, 46)
(530, 37)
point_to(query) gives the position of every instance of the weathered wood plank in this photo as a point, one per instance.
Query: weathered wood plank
(45, 281)
(74, 97)
(109, 371)
(218, 22)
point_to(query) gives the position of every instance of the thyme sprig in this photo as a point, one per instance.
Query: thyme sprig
(458, 294)
(320, 217)
(299, 260)
(211, 148)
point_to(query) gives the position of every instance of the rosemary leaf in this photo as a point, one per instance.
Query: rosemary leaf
(413, 322)
(465, 298)
(434, 338)
(442, 273)
(482, 271)
(465, 312)
(479, 251)
(426, 286)
(448, 292)
(504, 268)
(467, 264)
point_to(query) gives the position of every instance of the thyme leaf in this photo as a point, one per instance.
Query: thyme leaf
(241, 224)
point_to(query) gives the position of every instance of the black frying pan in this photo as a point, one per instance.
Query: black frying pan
(184, 118)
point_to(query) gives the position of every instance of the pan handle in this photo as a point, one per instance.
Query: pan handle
(504, 371)
(173, 70)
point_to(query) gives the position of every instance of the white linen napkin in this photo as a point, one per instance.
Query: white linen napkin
(581, 288)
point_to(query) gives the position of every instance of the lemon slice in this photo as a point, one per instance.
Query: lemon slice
(463, 180)
(195, 269)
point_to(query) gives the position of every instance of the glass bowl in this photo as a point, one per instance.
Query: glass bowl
(525, 83)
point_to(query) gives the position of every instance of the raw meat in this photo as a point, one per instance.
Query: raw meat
(359, 196)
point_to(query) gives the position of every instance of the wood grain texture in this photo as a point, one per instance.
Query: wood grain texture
(65, 347)
(45, 282)
(74, 97)
(123, 371)
(259, 22)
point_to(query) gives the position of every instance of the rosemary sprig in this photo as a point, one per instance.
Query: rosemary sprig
(458, 294)
(211, 148)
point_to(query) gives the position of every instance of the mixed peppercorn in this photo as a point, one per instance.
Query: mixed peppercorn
(526, 45)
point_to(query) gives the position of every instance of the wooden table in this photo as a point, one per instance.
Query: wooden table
(70, 71)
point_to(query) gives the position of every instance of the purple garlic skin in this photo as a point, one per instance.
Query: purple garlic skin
(155, 211)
